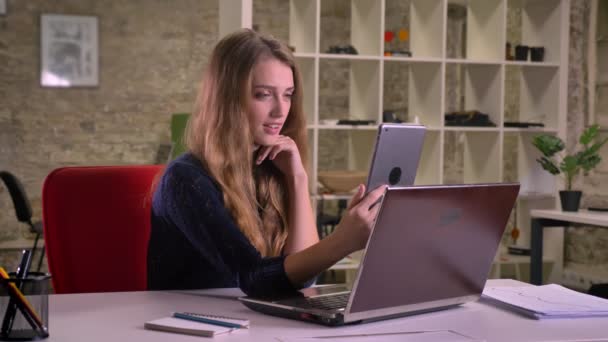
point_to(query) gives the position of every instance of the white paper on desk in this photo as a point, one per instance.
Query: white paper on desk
(402, 336)
(548, 301)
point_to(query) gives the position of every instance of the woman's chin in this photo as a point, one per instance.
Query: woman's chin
(266, 140)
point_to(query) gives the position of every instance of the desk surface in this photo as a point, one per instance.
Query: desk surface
(597, 218)
(120, 317)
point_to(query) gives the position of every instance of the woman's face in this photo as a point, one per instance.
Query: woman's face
(270, 99)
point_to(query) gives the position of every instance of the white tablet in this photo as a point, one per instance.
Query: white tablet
(396, 155)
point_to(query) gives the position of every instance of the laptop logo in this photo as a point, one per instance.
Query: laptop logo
(450, 216)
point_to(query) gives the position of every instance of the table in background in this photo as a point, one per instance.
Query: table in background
(556, 218)
(120, 317)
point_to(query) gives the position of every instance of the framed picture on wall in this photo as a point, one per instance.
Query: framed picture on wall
(69, 51)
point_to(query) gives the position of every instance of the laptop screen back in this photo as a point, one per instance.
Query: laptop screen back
(432, 244)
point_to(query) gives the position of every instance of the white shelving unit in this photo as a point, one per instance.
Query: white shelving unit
(542, 86)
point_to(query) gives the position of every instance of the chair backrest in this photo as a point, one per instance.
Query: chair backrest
(97, 226)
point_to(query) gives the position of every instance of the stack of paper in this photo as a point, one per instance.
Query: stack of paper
(548, 301)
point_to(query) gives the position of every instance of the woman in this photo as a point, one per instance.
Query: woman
(234, 210)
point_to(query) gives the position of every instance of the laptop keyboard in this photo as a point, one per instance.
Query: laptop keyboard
(332, 302)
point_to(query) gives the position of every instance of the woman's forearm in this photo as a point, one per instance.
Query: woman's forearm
(308, 263)
(302, 228)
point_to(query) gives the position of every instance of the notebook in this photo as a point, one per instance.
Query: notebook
(431, 248)
(196, 324)
(547, 301)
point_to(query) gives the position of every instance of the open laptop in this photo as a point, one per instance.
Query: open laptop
(431, 248)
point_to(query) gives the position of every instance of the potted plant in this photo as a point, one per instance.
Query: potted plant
(570, 165)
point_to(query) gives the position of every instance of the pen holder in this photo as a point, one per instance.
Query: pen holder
(15, 325)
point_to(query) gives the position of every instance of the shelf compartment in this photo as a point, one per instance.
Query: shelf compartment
(429, 168)
(412, 90)
(481, 157)
(273, 20)
(308, 73)
(540, 26)
(350, 90)
(485, 24)
(472, 157)
(475, 87)
(354, 22)
(303, 25)
(520, 160)
(345, 149)
(531, 95)
(423, 20)
(294, 22)
(427, 28)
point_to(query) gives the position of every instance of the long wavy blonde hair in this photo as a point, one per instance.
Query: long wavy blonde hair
(218, 134)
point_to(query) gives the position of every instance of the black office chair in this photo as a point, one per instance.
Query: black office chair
(23, 209)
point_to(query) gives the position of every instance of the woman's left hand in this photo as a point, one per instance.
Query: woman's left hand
(285, 156)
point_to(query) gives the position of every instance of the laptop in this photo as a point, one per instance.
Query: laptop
(431, 248)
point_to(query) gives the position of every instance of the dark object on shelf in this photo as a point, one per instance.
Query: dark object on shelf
(356, 122)
(390, 116)
(508, 52)
(599, 290)
(517, 250)
(521, 52)
(537, 54)
(570, 199)
(600, 209)
(346, 49)
(469, 118)
(518, 124)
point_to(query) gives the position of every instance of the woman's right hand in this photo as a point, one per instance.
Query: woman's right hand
(358, 219)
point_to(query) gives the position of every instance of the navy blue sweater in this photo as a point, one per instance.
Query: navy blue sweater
(195, 243)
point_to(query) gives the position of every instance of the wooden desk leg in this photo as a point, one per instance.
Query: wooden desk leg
(536, 253)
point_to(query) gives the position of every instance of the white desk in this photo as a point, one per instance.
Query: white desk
(556, 218)
(120, 317)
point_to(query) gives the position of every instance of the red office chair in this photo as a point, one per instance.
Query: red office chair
(97, 226)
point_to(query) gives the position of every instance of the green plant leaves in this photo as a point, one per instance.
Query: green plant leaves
(589, 134)
(548, 165)
(570, 165)
(548, 145)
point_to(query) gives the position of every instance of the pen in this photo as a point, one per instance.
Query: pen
(207, 320)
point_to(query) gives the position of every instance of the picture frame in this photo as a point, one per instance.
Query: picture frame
(69, 51)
